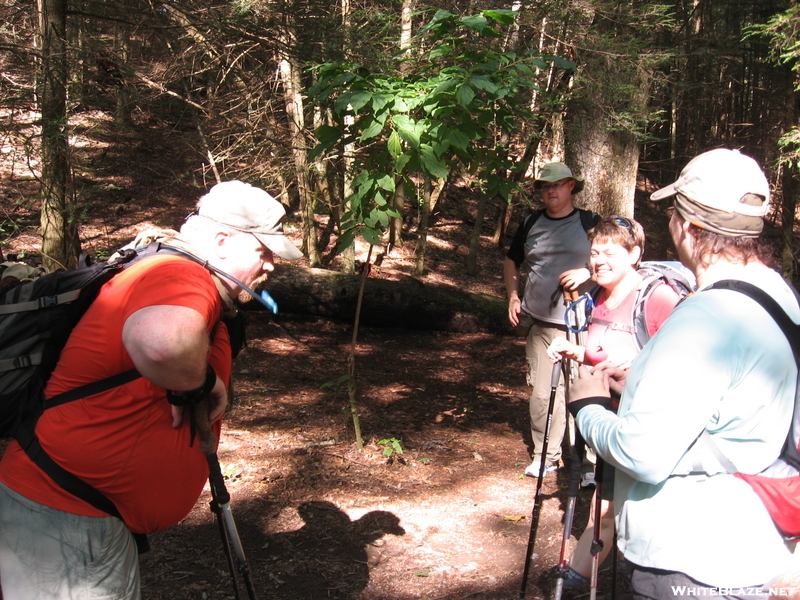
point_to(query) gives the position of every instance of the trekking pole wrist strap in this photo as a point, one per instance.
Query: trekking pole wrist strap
(577, 405)
(192, 397)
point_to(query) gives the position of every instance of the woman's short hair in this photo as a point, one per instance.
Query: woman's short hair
(626, 232)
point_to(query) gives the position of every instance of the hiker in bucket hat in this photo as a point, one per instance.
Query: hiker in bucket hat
(551, 246)
(714, 387)
(172, 319)
(556, 172)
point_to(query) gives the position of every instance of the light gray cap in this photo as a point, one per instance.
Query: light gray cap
(244, 207)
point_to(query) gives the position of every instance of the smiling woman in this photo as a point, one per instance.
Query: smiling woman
(616, 251)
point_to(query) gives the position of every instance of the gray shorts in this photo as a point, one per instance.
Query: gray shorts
(656, 584)
(48, 553)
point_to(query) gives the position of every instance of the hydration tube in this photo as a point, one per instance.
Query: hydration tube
(264, 298)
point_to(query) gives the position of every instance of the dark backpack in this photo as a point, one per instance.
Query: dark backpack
(588, 220)
(516, 251)
(37, 317)
(654, 273)
(779, 485)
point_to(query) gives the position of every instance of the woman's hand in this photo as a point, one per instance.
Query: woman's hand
(592, 383)
(514, 308)
(559, 348)
(616, 376)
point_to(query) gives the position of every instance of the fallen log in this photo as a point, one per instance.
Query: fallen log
(406, 303)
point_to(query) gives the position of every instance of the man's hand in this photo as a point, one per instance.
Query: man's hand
(571, 280)
(514, 308)
(218, 402)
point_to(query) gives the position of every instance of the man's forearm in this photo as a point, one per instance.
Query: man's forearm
(511, 278)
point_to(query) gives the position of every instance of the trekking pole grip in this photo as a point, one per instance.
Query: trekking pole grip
(216, 481)
(555, 375)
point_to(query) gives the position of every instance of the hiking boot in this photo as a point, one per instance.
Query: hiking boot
(576, 586)
(532, 470)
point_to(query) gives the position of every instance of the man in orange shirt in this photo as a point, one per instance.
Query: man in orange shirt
(160, 316)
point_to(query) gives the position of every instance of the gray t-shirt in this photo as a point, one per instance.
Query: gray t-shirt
(552, 247)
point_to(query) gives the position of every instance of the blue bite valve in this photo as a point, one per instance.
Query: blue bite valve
(269, 302)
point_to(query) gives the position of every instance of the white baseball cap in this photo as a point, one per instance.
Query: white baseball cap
(244, 207)
(721, 190)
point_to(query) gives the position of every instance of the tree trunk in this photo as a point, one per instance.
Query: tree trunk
(348, 255)
(475, 238)
(601, 136)
(607, 160)
(399, 204)
(292, 93)
(789, 185)
(406, 66)
(60, 244)
(407, 303)
(431, 196)
(122, 112)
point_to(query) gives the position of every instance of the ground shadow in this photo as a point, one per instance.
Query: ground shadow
(327, 557)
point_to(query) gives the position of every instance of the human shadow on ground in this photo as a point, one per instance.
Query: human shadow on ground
(327, 557)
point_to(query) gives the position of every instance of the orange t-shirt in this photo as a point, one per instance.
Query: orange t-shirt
(122, 441)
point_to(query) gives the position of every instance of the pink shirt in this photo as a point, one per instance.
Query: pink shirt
(603, 340)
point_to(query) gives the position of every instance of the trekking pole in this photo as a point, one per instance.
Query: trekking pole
(572, 496)
(614, 567)
(231, 543)
(577, 451)
(597, 542)
(537, 502)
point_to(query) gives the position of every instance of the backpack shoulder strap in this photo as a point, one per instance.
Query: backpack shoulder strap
(530, 220)
(588, 218)
(639, 316)
(790, 329)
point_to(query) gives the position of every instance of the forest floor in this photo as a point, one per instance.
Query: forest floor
(448, 518)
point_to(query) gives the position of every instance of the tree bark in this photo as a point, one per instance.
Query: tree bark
(60, 244)
(407, 303)
(475, 237)
(431, 194)
(399, 198)
(292, 92)
(601, 139)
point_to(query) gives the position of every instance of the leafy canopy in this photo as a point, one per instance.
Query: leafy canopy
(445, 112)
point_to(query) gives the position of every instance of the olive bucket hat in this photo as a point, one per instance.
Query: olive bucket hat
(556, 172)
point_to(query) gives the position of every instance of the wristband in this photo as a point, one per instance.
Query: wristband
(577, 405)
(192, 397)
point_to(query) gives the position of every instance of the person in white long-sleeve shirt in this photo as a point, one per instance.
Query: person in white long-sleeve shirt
(719, 363)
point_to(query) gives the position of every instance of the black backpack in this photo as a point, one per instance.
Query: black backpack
(588, 220)
(778, 486)
(37, 317)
